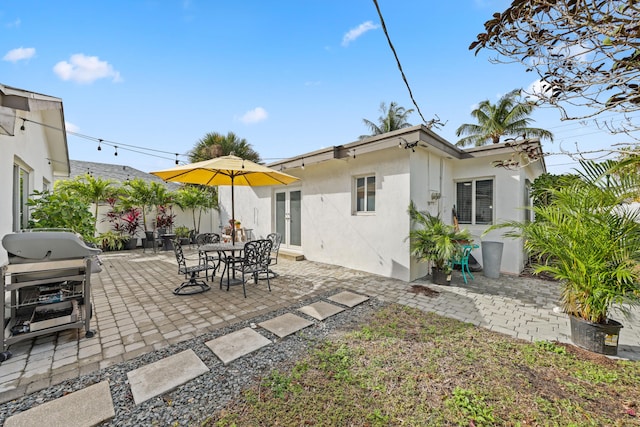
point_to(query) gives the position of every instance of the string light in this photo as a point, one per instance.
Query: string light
(303, 163)
(132, 148)
(116, 152)
(177, 158)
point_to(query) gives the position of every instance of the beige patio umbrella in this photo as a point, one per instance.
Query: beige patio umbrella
(226, 170)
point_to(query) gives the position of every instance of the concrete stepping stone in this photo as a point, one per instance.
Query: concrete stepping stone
(320, 310)
(349, 299)
(164, 375)
(236, 344)
(84, 408)
(285, 325)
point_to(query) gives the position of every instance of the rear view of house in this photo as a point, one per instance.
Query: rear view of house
(350, 206)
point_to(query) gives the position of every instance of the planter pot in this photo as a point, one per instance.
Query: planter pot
(148, 241)
(440, 277)
(184, 241)
(492, 259)
(131, 243)
(600, 338)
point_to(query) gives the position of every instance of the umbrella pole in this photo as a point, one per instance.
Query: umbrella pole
(233, 215)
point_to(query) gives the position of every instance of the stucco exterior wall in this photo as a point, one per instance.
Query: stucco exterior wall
(29, 149)
(509, 202)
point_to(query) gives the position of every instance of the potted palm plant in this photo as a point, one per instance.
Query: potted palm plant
(437, 242)
(591, 245)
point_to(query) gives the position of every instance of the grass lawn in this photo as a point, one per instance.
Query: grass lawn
(407, 367)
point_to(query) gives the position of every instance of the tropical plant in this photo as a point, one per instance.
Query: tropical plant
(434, 240)
(508, 117)
(182, 231)
(199, 199)
(124, 217)
(146, 195)
(588, 241)
(112, 240)
(543, 186)
(215, 144)
(61, 210)
(393, 118)
(165, 217)
(90, 189)
(131, 221)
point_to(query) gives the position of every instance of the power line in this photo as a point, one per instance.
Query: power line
(433, 122)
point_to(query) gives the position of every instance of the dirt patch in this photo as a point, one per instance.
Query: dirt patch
(424, 290)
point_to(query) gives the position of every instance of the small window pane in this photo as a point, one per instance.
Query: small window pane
(463, 202)
(371, 193)
(484, 201)
(360, 195)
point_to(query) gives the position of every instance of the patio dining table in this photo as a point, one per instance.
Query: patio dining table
(224, 250)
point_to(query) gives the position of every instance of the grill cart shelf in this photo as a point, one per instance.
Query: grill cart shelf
(46, 297)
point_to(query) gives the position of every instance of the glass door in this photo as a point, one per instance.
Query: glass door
(287, 217)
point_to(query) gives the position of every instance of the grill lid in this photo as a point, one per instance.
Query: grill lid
(46, 245)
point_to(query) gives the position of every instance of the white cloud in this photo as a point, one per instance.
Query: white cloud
(537, 90)
(358, 31)
(15, 55)
(256, 115)
(70, 127)
(85, 69)
(14, 24)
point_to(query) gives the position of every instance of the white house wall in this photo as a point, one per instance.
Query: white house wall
(331, 232)
(29, 149)
(508, 197)
(377, 242)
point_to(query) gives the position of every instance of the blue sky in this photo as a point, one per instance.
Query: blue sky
(289, 76)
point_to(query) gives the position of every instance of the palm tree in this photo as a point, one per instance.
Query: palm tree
(91, 190)
(391, 119)
(215, 144)
(197, 197)
(508, 117)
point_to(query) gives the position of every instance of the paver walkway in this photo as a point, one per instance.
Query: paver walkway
(135, 312)
(156, 378)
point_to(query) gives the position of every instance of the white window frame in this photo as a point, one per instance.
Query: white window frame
(21, 186)
(366, 210)
(474, 197)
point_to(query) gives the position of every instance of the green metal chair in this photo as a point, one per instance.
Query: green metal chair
(463, 262)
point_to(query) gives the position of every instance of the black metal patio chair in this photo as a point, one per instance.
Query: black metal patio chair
(276, 240)
(193, 285)
(209, 259)
(254, 261)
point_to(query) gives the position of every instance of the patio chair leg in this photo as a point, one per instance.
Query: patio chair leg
(191, 286)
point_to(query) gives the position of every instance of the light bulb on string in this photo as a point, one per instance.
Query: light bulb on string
(176, 158)
(23, 122)
(99, 147)
(116, 152)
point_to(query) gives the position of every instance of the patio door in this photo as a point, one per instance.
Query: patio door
(287, 217)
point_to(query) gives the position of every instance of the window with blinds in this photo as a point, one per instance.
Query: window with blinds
(474, 201)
